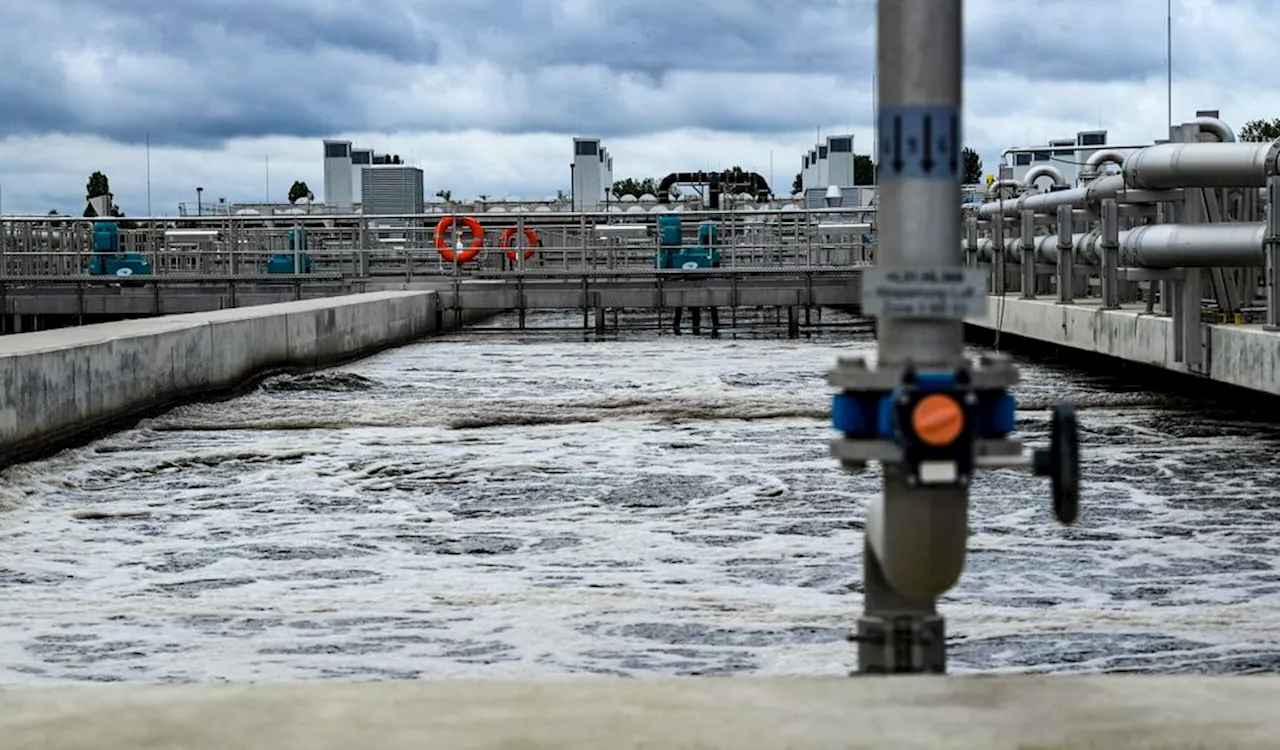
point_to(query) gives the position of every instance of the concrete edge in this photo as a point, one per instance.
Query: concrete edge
(88, 430)
(1017, 711)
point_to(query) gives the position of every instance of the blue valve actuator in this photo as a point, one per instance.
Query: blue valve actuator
(871, 415)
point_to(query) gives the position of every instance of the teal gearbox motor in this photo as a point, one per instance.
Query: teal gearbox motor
(673, 254)
(107, 260)
(294, 261)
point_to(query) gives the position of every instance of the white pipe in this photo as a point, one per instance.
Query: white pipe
(1093, 165)
(1229, 245)
(1202, 165)
(1043, 170)
(1216, 127)
(1103, 187)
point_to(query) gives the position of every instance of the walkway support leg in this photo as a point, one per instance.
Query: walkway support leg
(926, 412)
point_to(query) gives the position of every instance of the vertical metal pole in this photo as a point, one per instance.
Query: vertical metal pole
(1168, 48)
(1028, 243)
(1066, 264)
(1273, 253)
(971, 241)
(916, 535)
(999, 285)
(1110, 261)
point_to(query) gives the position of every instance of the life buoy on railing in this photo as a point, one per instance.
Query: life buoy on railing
(509, 235)
(461, 256)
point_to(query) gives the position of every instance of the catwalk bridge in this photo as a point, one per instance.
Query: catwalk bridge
(60, 271)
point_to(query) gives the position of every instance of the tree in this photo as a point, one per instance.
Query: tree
(864, 170)
(98, 186)
(1261, 131)
(632, 186)
(971, 163)
(447, 195)
(797, 185)
(299, 190)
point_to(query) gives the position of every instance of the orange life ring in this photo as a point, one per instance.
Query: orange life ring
(446, 252)
(510, 234)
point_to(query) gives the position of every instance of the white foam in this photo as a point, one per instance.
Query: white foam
(504, 506)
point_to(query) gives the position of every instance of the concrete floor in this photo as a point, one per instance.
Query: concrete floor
(740, 713)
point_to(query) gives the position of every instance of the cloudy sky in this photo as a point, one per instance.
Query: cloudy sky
(485, 95)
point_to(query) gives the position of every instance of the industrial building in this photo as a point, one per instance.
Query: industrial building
(828, 163)
(1066, 155)
(345, 180)
(592, 174)
(391, 189)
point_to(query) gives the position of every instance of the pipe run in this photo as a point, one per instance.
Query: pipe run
(1202, 165)
(1093, 165)
(1231, 245)
(1043, 170)
(1091, 194)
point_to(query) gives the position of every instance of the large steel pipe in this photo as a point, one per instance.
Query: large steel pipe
(1153, 246)
(1103, 187)
(1194, 245)
(1202, 165)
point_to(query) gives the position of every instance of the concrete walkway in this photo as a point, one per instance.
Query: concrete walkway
(904, 713)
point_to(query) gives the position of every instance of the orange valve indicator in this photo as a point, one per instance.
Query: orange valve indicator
(937, 420)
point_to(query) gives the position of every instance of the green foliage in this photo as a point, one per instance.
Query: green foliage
(299, 190)
(1261, 131)
(632, 186)
(797, 185)
(98, 185)
(972, 165)
(446, 195)
(864, 170)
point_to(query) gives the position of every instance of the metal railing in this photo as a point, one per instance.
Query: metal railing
(405, 246)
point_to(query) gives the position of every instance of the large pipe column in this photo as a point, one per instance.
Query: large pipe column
(917, 535)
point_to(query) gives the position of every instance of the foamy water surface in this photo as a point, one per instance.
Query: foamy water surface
(533, 505)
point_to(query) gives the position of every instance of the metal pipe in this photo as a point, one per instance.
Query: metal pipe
(918, 534)
(1215, 127)
(1091, 194)
(1194, 245)
(996, 185)
(1200, 165)
(1043, 170)
(1093, 165)
(1233, 245)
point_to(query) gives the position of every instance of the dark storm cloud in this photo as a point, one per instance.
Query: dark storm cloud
(197, 74)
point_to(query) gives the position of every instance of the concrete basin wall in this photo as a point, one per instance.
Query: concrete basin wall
(58, 385)
(1246, 356)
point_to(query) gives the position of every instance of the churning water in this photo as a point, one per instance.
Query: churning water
(531, 505)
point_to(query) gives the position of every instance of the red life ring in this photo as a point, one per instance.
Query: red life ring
(510, 234)
(477, 240)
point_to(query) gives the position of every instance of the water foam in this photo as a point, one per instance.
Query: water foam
(507, 506)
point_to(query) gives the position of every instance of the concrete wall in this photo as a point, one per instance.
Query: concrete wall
(1240, 355)
(56, 385)
(956, 713)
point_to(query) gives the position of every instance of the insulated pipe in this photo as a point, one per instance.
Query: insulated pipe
(1234, 245)
(918, 534)
(1202, 165)
(1216, 127)
(1043, 170)
(1007, 182)
(1103, 187)
(1093, 165)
